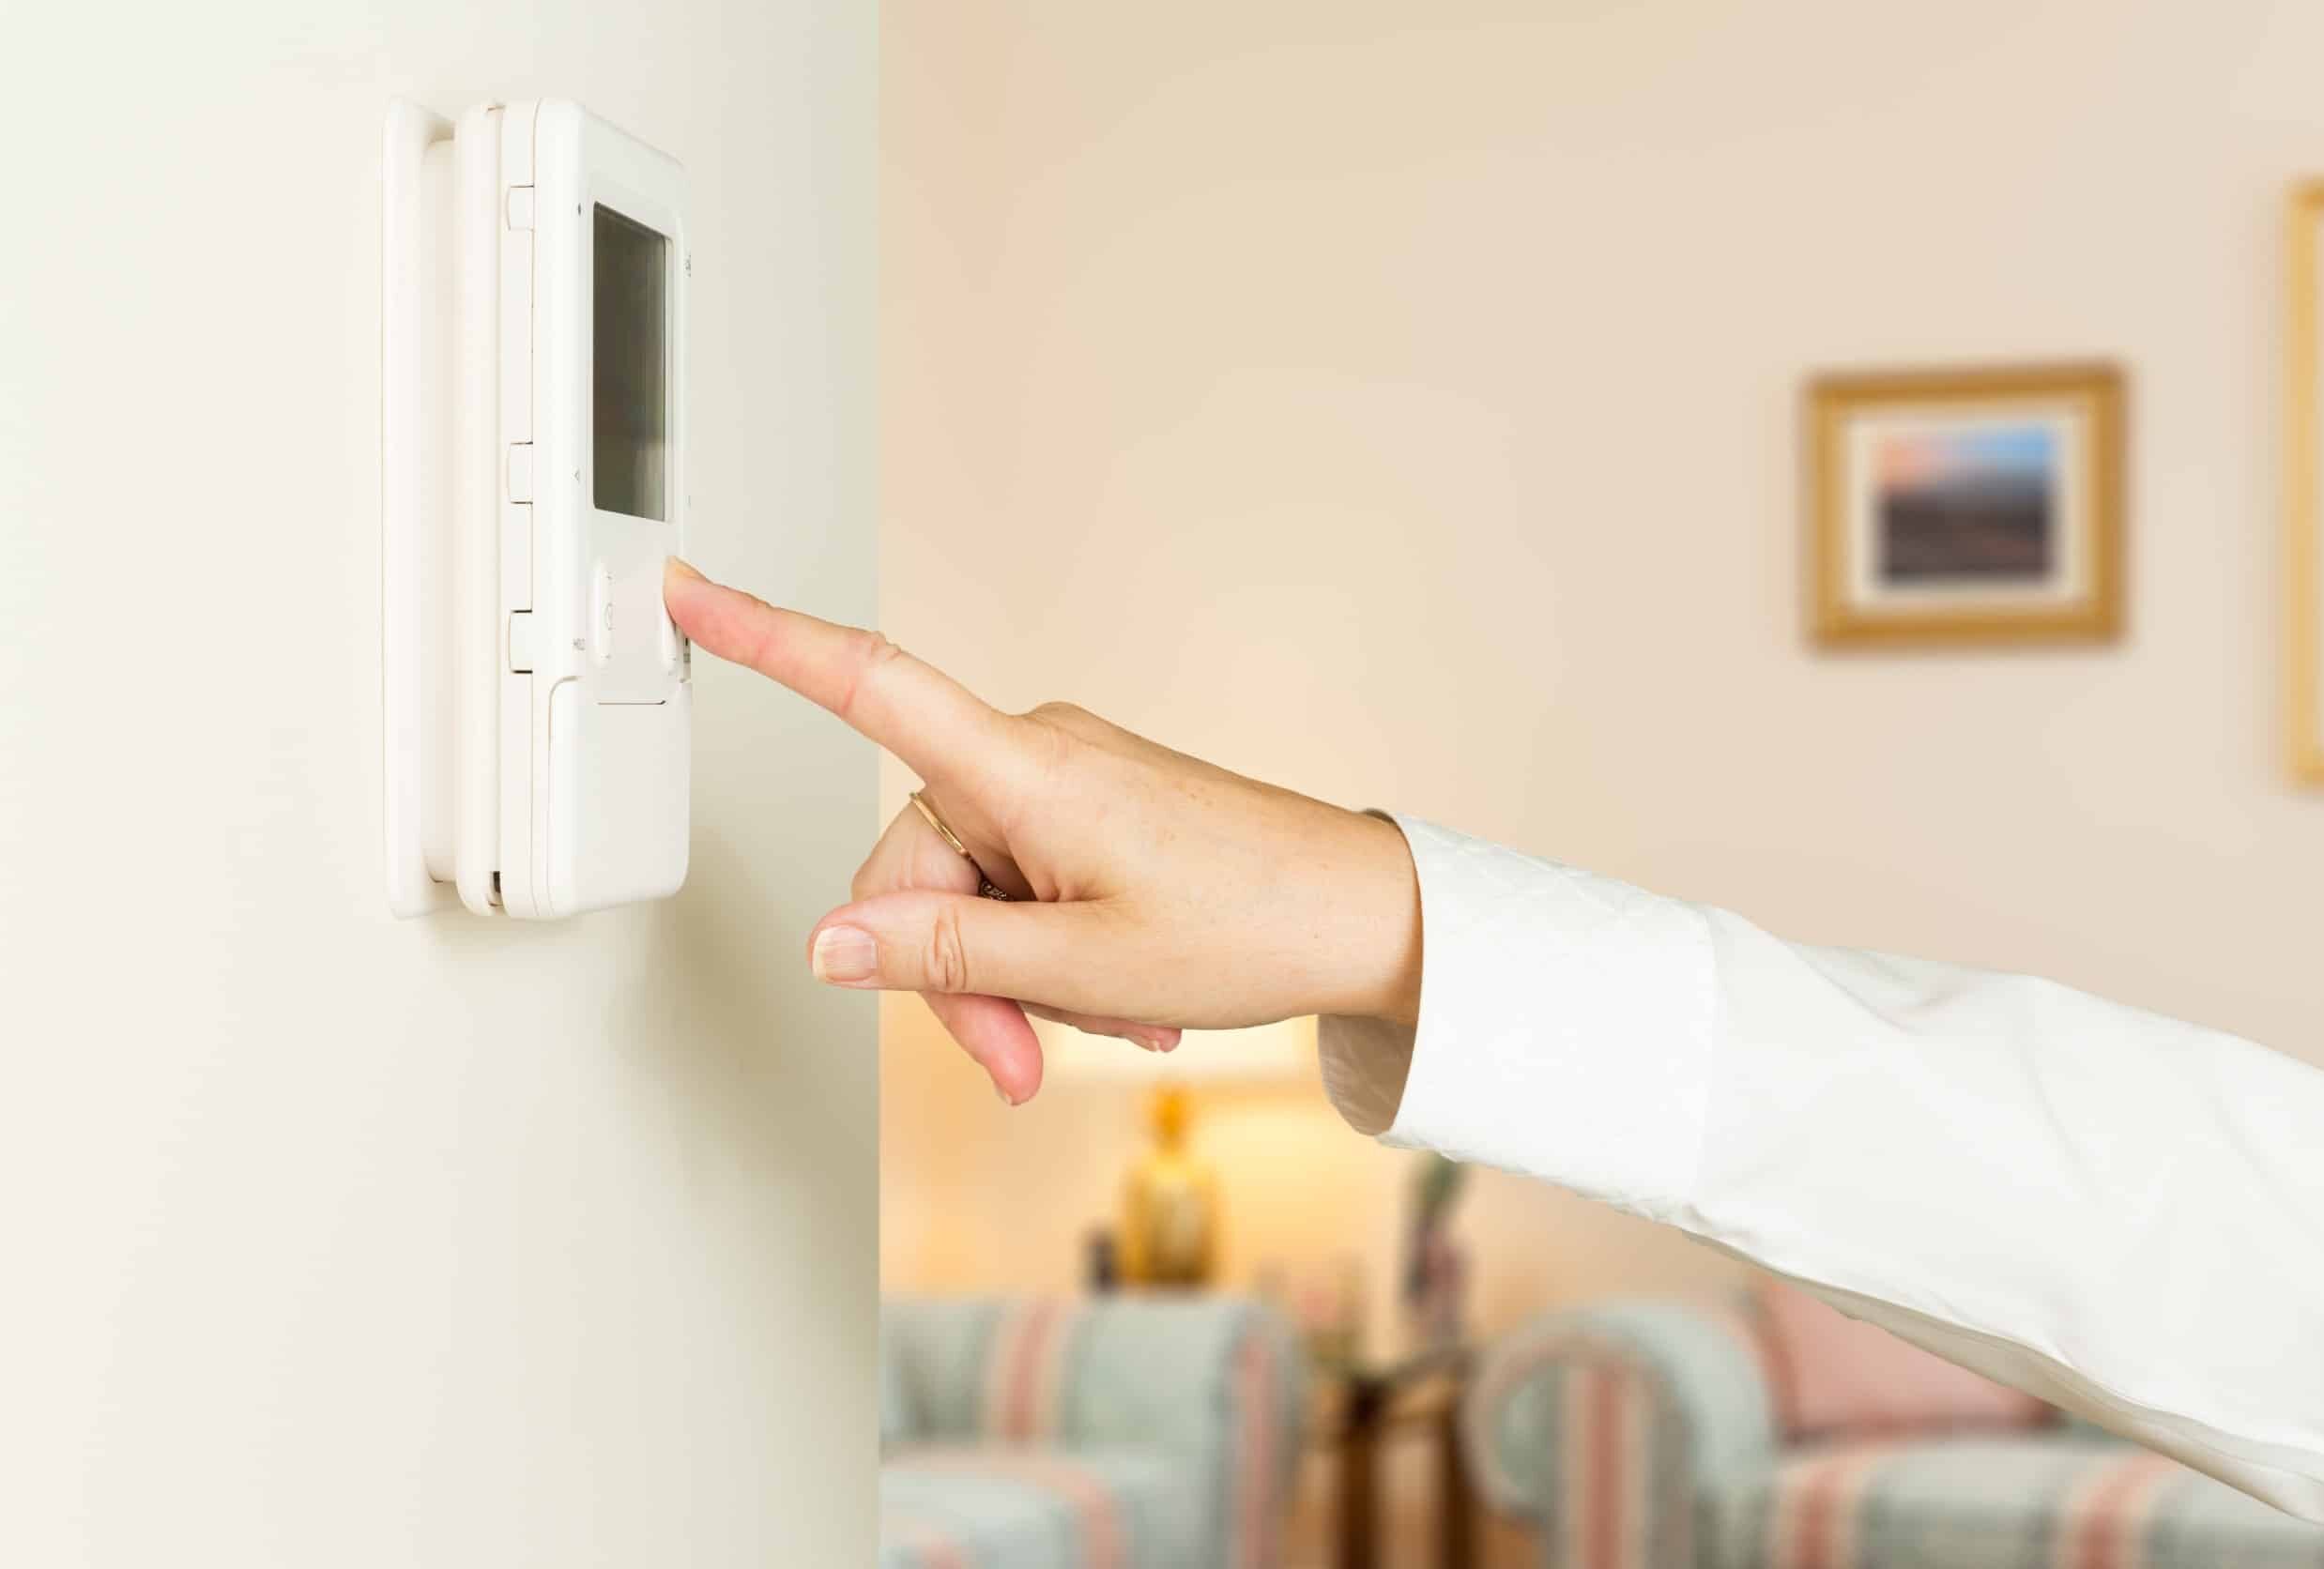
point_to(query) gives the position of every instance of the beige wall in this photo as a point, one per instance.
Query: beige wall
(1398, 401)
(326, 1239)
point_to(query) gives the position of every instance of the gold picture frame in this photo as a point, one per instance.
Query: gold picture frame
(2303, 548)
(1977, 506)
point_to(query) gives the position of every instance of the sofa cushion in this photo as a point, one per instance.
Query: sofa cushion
(1835, 1376)
(1036, 1508)
(1213, 1382)
(1997, 1503)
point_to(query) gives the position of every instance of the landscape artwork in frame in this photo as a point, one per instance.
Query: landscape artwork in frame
(2304, 470)
(1966, 507)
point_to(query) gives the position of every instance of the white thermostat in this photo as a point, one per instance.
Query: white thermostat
(537, 699)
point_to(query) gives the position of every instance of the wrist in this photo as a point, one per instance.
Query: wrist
(1385, 946)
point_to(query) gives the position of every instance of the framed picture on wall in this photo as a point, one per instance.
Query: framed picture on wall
(2303, 465)
(1966, 507)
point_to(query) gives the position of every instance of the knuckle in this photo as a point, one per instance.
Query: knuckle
(947, 957)
(1052, 749)
(1060, 732)
(873, 652)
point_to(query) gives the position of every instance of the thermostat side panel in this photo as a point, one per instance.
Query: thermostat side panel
(478, 652)
(515, 527)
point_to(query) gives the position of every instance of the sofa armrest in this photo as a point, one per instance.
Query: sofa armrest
(1609, 1425)
(1218, 1383)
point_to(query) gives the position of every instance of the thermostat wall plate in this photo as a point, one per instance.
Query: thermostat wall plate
(537, 701)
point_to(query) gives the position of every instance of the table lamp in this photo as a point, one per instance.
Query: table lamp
(1168, 1228)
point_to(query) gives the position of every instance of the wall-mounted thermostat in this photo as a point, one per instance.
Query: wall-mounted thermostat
(537, 701)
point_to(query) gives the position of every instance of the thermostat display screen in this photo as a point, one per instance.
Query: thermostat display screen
(631, 397)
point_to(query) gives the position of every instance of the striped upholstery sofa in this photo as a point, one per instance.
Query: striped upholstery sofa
(1116, 1433)
(1645, 1437)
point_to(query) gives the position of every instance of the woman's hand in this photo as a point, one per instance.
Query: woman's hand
(1149, 890)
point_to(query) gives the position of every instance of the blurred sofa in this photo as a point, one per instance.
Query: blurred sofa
(1658, 1435)
(1114, 1433)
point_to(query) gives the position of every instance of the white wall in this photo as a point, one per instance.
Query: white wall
(1399, 401)
(325, 1239)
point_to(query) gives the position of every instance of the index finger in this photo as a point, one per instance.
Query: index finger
(937, 726)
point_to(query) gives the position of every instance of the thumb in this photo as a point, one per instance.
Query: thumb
(919, 940)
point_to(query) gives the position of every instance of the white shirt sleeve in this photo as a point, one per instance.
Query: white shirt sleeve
(2120, 1212)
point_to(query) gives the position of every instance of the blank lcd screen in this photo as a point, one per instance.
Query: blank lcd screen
(631, 398)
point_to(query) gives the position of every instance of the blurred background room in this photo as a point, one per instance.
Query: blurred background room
(1821, 459)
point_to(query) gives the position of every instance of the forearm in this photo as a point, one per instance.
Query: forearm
(2122, 1211)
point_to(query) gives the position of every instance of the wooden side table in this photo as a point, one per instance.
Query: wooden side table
(1361, 1404)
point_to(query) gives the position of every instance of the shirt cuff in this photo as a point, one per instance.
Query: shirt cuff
(1566, 1029)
